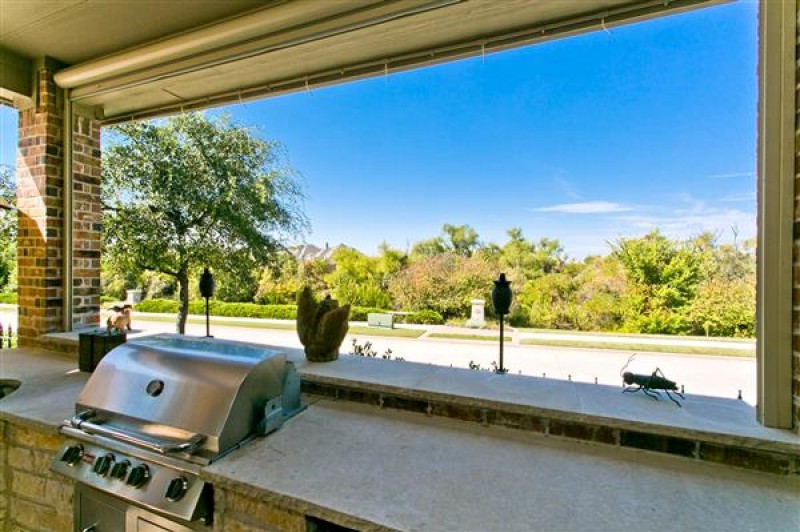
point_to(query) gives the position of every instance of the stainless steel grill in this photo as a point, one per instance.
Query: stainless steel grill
(155, 411)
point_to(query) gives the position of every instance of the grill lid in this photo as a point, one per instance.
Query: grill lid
(174, 393)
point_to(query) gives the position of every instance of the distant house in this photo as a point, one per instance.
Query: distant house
(308, 252)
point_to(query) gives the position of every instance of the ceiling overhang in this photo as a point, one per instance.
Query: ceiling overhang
(293, 45)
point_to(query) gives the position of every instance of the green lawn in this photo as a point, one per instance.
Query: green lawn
(630, 335)
(364, 331)
(625, 346)
(374, 331)
(456, 336)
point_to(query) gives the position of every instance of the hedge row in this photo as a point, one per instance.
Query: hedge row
(10, 299)
(278, 312)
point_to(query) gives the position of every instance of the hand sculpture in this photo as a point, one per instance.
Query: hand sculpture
(321, 326)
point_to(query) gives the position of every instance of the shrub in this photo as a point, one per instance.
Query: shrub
(443, 283)
(220, 308)
(10, 299)
(108, 299)
(245, 310)
(424, 317)
(167, 306)
(276, 312)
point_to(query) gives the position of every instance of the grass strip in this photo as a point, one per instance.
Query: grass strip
(655, 348)
(457, 336)
(373, 331)
(248, 324)
(632, 335)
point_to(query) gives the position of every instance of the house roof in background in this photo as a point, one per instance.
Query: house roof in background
(308, 252)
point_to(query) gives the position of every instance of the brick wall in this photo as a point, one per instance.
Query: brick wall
(40, 201)
(31, 497)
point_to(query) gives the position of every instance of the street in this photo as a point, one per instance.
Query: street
(699, 374)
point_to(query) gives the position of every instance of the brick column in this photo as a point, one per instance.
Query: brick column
(87, 213)
(40, 200)
(40, 203)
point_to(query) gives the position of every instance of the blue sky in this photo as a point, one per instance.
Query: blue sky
(584, 139)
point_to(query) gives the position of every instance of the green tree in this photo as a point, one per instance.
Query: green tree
(357, 279)
(195, 191)
(462, 239)
(725, 304)
(444, 283)
(428, 248)
(8, 231)
(663, 276)
(458, 239)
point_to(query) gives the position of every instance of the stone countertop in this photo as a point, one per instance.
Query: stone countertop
(351, 463)
(50, 385)
(366, 467)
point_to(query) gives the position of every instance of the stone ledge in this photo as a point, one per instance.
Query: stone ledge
(706, 428)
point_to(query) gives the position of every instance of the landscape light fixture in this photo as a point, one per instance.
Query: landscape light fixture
(207, 286)
(501, 301)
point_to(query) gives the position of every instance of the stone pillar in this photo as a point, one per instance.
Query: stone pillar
(40, 200)
(477, 316)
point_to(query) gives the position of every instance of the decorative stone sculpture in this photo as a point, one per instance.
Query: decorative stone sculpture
(321, 326)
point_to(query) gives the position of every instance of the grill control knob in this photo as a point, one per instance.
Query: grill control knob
(119, 469)
(102, 464)
(177, 488)
(139, 476)
(72, 455)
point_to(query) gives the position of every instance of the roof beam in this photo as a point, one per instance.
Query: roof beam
(16, 75)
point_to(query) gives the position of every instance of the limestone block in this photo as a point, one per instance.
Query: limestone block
(260, 514)
(33, 461)
(29, 516)
(58, 493)
(27, 485)
(25, 437)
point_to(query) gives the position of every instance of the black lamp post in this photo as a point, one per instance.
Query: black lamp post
(207, 286)
(501, 301)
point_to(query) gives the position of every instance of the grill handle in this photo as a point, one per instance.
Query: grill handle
(81, 421)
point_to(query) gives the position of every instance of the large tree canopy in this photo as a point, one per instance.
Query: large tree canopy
(194, 191)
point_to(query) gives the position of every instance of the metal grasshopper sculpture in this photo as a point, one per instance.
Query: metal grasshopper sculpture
(649, 384)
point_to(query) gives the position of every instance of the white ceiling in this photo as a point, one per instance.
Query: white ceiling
(298, 44)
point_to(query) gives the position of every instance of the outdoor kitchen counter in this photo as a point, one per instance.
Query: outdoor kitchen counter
(50, 384)
(357, 465)
(369, 468)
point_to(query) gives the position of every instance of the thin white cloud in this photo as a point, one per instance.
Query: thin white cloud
(587, 207)
(684, 225)
(567, 187)
(749, 197)
(734, 174)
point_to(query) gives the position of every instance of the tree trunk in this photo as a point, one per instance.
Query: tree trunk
(183, 307)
